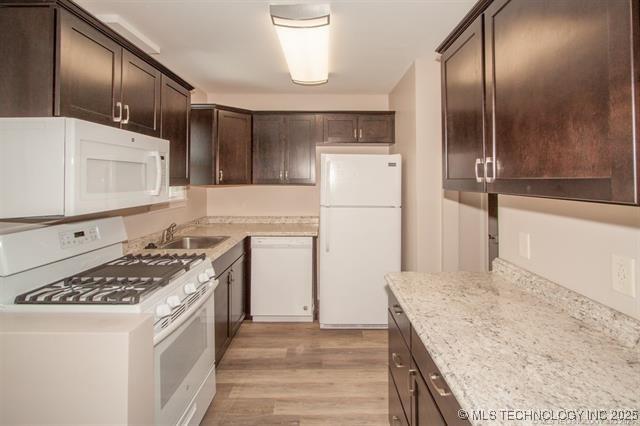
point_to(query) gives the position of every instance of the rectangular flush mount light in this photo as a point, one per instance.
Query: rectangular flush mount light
(303, 31)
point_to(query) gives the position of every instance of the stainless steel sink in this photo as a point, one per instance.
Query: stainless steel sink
(187, 243)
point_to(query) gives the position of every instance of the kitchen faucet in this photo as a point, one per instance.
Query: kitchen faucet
(167, 234)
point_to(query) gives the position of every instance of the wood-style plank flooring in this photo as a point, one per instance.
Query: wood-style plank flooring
(298, 374)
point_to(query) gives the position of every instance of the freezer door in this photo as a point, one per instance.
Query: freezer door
(360, 180)
(358, 246)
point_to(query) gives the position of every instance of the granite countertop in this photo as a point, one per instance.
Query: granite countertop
(510, 340)
(235, 228)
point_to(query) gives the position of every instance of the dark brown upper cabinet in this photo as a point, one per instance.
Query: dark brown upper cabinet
(141, 85)
(284, 148)
(59, 60)
(201, 147)
(90, 73)
(302, 135)
(233, 147)
(563, 127)
(560, 107)
(269, 133)
(358, 128)
(175, 108)
(462, 74)
(376, 128)
(340, 128)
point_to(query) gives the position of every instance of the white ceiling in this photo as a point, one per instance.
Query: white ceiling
(226, 46)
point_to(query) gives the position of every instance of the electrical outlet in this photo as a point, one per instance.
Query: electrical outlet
(524, 245)
(623, 275)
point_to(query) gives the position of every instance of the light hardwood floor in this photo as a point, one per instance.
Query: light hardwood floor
(297, 374)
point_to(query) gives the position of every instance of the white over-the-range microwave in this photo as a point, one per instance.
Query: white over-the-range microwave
(67, 167)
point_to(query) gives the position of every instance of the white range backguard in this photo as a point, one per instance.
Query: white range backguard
(360, 238)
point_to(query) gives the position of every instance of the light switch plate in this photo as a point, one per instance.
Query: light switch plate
(524, 245)
(623, 275)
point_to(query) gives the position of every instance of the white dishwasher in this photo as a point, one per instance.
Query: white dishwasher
(282, 279)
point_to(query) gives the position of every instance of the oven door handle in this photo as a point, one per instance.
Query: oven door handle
(186, 315)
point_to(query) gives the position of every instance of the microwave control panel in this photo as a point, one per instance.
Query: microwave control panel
(78, 237)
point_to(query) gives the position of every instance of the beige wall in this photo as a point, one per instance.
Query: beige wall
(144, 221)
(402, 99)
(297, 102)
(572, 244)
(275, 200)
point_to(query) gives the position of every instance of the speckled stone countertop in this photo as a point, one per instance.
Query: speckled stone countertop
(510, 340)
(236, 228)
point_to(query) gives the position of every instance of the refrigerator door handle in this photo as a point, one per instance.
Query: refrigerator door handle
(326, 232)
(327, 174)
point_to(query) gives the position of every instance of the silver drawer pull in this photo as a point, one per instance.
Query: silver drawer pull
(412, 389)
(397, 361)
(397, 309)
(396, 420)
(479, 178)
(441, 391)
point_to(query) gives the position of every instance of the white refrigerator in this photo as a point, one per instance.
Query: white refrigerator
(360, 227)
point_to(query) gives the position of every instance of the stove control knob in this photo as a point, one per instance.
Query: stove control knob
(203, 277)
(163, 310)
(190, 288)
(210, 272)
(173, 301)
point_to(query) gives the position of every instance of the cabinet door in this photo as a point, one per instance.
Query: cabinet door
(90, 73)
(397, 415)
(140, 95)
(221, 316)
(234, 147)
(175, 107)
(463, 111)
(424, 411)
(268, 148)
(340, 128)
(560, 86)
(376, 128)
(302, 136)
(236, 295)
(201, 146)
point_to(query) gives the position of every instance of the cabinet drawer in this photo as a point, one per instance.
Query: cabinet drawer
(446, 402)
(397, 415)
(399, 362)
(400, 318)
(424, 411)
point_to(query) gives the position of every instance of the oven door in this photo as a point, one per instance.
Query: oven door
(183, 361)
(110, 168)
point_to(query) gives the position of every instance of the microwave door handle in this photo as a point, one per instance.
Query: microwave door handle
(156, 190)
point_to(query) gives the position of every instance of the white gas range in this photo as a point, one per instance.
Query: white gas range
(80, 267)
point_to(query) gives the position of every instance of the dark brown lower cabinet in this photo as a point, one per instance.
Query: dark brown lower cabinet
(418, 394)
(221, 326)
(424, 410)
(396, 412)
(229, 297)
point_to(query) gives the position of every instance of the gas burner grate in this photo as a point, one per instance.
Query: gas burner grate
(123, 281)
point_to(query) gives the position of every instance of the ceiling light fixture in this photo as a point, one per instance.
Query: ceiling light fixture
(303, 31)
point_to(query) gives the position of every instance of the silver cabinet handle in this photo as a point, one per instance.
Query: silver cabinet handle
(126, 120)
(360, 134)
(489, 161)
(441, 390)
(281, 175)
(396, 420)
(220, 176)
(479, 178)
(286, 175)
(397, 309)
(118, 118)
(355, 134)
(397, 361)
(412, 389)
